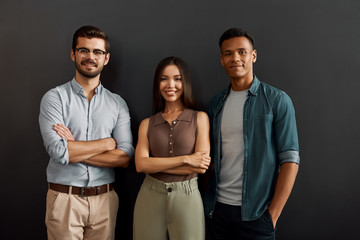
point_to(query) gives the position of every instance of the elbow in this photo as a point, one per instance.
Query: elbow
(140, 168)
(58, 151)
(126, 163)
(62, 158)
(123, 161)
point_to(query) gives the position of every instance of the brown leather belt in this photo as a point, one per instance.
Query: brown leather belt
(82, 191)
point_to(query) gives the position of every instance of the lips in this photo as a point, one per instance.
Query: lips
(236, 66)
(171, 93)
(89, 63)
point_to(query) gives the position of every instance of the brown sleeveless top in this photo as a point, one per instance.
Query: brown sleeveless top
(173, 140)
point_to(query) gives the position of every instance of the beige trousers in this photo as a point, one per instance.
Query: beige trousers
(70, 217)
(169, 211)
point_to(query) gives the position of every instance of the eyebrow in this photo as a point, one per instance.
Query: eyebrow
(228, 50)
(91, 49)
(179, 75)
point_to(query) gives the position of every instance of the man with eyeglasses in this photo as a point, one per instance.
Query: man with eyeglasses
(86, 132)
(254, 147)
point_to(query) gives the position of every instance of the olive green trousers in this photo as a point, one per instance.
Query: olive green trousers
(169, 211)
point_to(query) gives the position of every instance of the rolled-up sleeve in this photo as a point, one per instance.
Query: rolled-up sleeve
(122, 130)
(50, 114)
(286, 135)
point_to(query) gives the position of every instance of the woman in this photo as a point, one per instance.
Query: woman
(173, 147)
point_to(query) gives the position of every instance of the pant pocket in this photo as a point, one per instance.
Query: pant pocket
(51, 198)
(268, 219)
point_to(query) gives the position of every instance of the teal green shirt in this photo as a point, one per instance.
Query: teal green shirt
(270, 139)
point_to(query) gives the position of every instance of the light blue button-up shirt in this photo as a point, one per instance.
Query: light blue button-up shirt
(107, 115)
(270, 139)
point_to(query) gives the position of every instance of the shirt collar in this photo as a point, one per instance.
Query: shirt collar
(253, 89)
(79, 89)
(186, 116)
(254, 86)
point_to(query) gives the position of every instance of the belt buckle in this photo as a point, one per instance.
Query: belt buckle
(82, 191)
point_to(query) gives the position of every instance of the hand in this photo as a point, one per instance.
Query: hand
(199, 160)
(63, 132)
(111, 144)
(200, 170)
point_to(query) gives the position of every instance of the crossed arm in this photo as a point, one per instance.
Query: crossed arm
(100, 153)
(197, 162)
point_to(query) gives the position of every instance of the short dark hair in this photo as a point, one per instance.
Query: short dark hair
(236, 32)
(90, 32)
(187, 96)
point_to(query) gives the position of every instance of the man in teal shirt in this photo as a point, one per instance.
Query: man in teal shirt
(255, 148)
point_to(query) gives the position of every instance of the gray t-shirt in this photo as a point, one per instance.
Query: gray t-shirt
(232, 159)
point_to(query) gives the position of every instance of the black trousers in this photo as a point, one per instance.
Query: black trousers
(226, 224)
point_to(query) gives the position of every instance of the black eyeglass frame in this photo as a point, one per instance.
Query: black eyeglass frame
(86, 51)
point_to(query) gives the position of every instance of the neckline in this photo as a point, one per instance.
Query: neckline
(174, 120)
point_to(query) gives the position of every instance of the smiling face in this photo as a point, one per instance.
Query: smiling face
(171, 85)
(89, 66)
(237, 57)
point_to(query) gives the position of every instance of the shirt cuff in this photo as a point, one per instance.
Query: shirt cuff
(128, 149)
(63, 157)
(289, 156)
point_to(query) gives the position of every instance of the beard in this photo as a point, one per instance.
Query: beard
(86, 73)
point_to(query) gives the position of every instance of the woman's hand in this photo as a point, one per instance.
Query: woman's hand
(198, 160)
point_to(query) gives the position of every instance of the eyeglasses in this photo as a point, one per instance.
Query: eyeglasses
(84, 52)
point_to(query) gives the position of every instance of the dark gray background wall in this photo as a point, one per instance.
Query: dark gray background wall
(310, 49)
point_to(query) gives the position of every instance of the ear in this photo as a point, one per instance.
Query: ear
(254, 56)
(72, 55)
(107, 58)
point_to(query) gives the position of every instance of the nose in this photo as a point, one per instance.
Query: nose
(236, 57)
(171, 83)
(91, 55)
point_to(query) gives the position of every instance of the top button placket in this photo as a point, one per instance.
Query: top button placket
(89, 119)
(171, 137)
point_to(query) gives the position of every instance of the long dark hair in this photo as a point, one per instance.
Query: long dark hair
(187, 96)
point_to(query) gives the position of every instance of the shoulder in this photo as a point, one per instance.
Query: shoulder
(144, 125)
(279, 100)
(116, 98)
(214, 102)
(50, 94)
(202, 117)
(219, 95)
(145, 121)
(202, 122)
(57, 93)
(272, 91)
(275, 94)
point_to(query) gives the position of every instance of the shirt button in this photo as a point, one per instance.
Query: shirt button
(174, 122)
(170, 143)
(170, 135)
(171, 129)
(170, 151)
